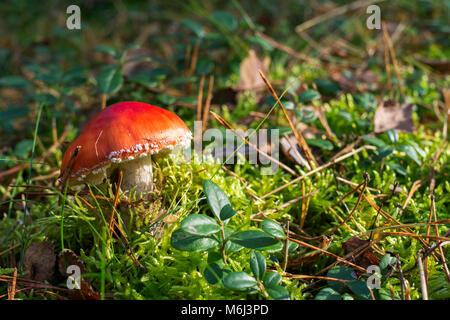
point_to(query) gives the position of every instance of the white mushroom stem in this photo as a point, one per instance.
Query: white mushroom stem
(137, 173)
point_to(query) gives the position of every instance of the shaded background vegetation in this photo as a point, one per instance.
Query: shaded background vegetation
(150, 48)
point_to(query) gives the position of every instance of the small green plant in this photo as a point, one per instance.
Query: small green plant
(348, 285)
(266, 283)
(410, 148)
(199, 232)
(110, 79)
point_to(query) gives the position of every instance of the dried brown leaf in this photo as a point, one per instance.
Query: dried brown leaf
(360, 81)
(250, 80)
(442, 66)
(66, 258)
(85, 293)
(39, 261)
(391, 115)
(366, 258)
(287, 147)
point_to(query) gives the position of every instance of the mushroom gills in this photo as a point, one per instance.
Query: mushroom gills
(137, 173)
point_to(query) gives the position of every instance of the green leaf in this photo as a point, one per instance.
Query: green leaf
(182, 80)
(438, 286)
(392, 135)
(166, 99)
(418, 149)
(6, 270)
(346, 296)
(340, 272)
(273, 228)
(363, 123)
(131, 46)
(288, 105)
(200, 225)
(278, 293)
(188, 100)
(253, 239)
(273, 248)
(386, 262)
(144, 80)
(397, 168)
(239, 281)
(184, 241)
(374, 141)
(194, 27)
(258, 265)
(292, 246)
(328, 294)
(281, 130)
(305, 115)
(225, 19)
(22, 148)
(360, 289)
(156, 74)
(204, 66)
(327, 87)
(106, 49)
(217, 199)
(74, 77)
(272, 279)
(215, 272)
(14, 82)
(320, 143)
(385, 151)
(365, 100)
(383, 294)
(138, 59)
(230, 246)
(257, 40)
(309, 95)
(13, 112)
(410, 151)
(45, 98)
(110, 79)
(227, 212)
(345, 115)
(215, 256)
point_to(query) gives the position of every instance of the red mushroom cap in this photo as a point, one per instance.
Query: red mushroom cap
(123, 132)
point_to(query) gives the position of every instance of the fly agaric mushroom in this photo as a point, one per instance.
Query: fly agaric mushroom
(123, 136)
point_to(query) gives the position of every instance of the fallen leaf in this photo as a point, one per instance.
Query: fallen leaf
(230, 153)
(391, 115)
(224, 96)
(364, 259)
(85, 293)
(67, 258)
(39, 261)
(250, 79)
(357, 81)
(307, 132)
(288, 149)
(442, 66)
(397, 189)
(367, 76)
(346, 83)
